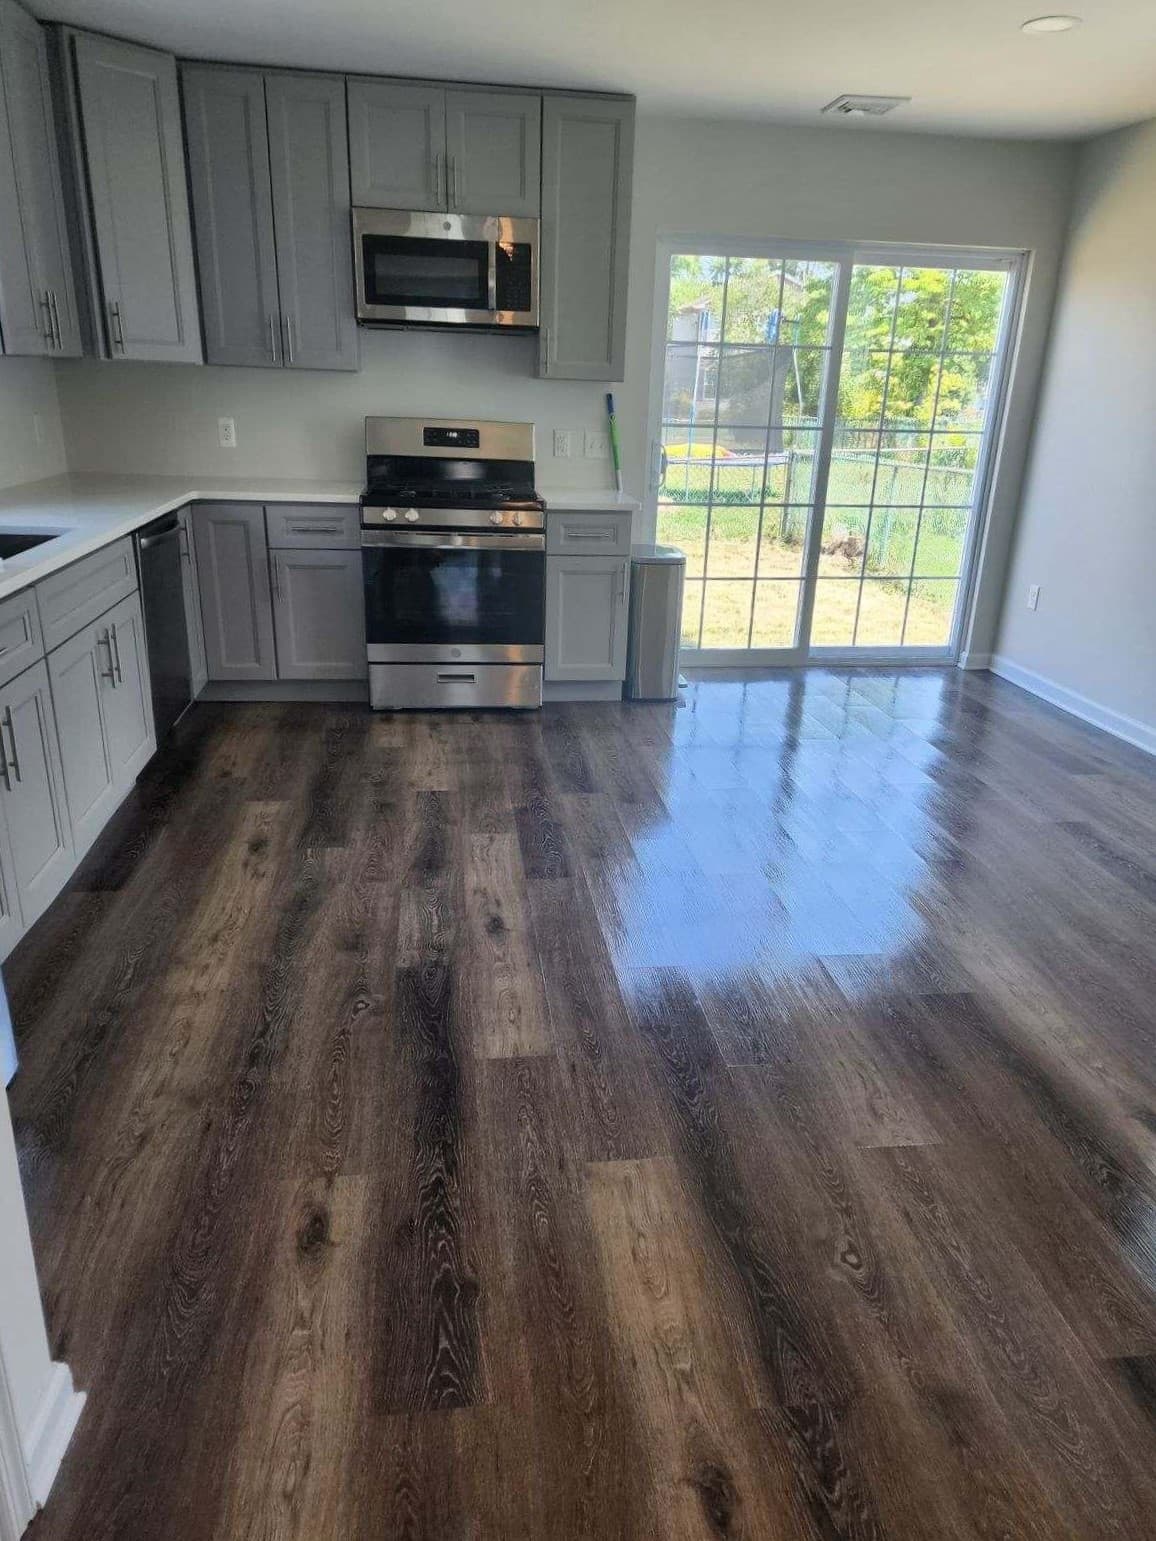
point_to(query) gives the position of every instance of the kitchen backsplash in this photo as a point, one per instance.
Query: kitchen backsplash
(31, 438)
(164, 417)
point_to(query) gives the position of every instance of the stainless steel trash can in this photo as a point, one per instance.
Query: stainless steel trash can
(656, 583)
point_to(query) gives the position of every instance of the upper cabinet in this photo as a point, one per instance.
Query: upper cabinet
(130, 120)
(37, 300)
(426, 147)
(587, 162)
(269, 172)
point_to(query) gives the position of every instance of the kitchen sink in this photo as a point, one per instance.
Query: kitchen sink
(13, 542)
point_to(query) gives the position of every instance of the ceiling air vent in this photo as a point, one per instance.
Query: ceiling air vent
(864, 106)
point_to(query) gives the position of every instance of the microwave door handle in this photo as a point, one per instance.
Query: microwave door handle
(492, 279)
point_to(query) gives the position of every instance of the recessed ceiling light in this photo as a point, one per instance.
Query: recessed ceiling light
(1051, 23)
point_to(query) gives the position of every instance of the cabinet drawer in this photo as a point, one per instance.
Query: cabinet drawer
(318, 525)
(606, 534)
(76, 595)
(20, 640)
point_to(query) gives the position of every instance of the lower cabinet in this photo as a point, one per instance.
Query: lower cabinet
(586, 617)
(104, 712)
(38, 840)
(236, 604)
(318, 614)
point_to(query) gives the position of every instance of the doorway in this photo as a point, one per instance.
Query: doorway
(822, 423)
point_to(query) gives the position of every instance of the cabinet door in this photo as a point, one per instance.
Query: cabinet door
(587, 162)
(37, 300)
(309, 162)
(236, 606)
(494, 149)
(128, 706)
(80, 670)
(397, 144)
(135, 156)
(33, 792)
(198, 668)
(11, 920)
(228, 146)
(319, 614)
(586, 607)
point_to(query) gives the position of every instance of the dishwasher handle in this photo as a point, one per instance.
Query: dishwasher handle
(155, 536)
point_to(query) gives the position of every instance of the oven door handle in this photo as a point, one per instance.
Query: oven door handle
(447, 542)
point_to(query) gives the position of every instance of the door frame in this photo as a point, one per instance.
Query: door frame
(844, 255)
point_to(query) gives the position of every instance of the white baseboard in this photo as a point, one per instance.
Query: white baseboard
(1130, 729)
(582, 690)
(974, 661)
(51, 1430)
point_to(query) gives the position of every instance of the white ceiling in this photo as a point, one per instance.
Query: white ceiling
(966, 63)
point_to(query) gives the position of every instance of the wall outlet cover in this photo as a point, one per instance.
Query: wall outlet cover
(596, 444)
(563, 444)
(227, 432)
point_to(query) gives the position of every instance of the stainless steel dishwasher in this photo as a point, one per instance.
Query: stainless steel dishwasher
(158, 555)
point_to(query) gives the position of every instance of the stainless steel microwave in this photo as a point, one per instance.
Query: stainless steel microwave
(445, 269)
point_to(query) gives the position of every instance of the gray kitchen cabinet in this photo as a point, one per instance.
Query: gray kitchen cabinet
(236, 603)
(228, 145)
(414, 146)
(198, 668)
(128, 709)
(269, 173)
(11, 920)
(309, 166)
(586, 616)
(587, 165)
(397, 144)
(100, 689)
(494, 152)
(135, 161)
(37, 300)
(32, 792)
(318, 614)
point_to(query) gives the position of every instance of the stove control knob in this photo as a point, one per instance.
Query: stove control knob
(391, 514)
(518, 519)
(412, 515)
(495, 518)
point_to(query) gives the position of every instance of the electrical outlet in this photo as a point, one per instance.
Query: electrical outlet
(1033, 595)
(563, 444)
(596, 444)
(227, 433)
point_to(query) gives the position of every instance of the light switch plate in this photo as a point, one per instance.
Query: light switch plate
(227, 432)
(563, 444)
(596, 444)
(1033, 595)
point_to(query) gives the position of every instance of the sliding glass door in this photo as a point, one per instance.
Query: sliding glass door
(822, 444)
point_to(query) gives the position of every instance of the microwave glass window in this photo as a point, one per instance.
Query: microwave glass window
(406, 270)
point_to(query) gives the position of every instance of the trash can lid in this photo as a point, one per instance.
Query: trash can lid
(657, 554)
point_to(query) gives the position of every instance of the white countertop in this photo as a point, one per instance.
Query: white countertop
(573, 500)
(89, 511)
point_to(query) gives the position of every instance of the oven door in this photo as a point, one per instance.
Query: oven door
(456, 598)
(449, 269)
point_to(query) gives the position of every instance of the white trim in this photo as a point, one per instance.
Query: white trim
(582, 690)
(17, 1504)
(974, 661)
(51, 1430)
(1130, 729)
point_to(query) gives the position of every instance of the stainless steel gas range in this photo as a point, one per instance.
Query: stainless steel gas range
(453, 549)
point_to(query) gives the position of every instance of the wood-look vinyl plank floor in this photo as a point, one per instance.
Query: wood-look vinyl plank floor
(628, 1122)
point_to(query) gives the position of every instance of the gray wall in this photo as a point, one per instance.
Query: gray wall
(28, 392)
(1087, 529)
(854, 183)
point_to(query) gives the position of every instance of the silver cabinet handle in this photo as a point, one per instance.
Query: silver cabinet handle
(276, 567)
(625, 575)
(453, 183)
(116, 654)
(545, 334)
(14, 764)
(46, 307)
(110, 676)
(439, 190)
(56, 319)
(116, 323)
(316, 529)
(287, 326)
(272, 338)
